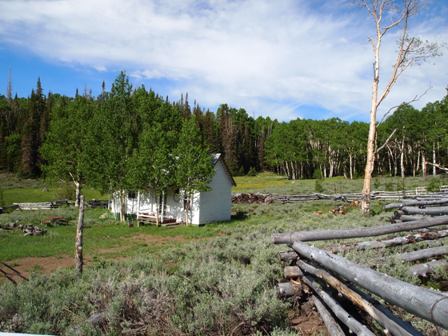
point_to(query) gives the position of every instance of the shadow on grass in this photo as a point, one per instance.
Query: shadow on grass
(239, 215)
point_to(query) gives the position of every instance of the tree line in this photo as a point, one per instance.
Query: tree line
(409, 142)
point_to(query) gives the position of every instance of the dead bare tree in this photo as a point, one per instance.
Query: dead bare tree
(389, 15)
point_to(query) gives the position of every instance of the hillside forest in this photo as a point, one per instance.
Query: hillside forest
(410, 141)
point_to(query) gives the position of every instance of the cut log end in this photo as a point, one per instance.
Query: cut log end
(292, 272)
(289, 289)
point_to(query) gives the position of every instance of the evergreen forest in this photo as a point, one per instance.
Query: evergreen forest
(410, 141)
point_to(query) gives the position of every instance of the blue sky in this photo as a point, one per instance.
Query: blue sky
(284, 59)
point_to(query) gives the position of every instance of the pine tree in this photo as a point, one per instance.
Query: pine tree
(30, 163)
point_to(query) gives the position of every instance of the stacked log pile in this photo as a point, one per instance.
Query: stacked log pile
(94, 203)
(28, 230)
(343, 292)
(251, 198)
(410, 210)
(408, 197)
(35, 206)
(57, 204)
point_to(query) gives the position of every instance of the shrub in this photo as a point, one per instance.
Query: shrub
(214, 287)
(318, 187)
(66, 191)
(389, 186)
(317, 174)
(376, 183)
(433, 185)
(252, 172)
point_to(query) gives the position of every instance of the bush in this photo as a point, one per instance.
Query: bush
(214, 287)
(389, 186)
(66, 191)
(317, 174)
(252, 172)
(401, 185)
(376, 183)
(433, 185)
(318, 187)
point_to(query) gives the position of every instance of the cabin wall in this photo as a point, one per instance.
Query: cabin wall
(209, 206)
(216, 204)
(131, 204)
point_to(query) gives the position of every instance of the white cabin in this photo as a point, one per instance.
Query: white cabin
(207, 206)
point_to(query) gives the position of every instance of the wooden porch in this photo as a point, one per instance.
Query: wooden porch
(150, 218)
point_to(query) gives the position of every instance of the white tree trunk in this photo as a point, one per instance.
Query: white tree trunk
(423, 164)
(157, 210)
(77, 193)
(402, 158)
(123, 206)
(434, 168)
(418, 161)
(370, 160)
(79, 261)
(351, 166)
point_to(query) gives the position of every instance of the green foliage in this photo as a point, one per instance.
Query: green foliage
(317, 174)
(376, 183)
(66, 141)
(401, 185)
(389, 186)
(2, 197)
(252, 172)
(66, 191)
(12, 144)
(194, 168)
(318, 187)
(295, 149)
(433, 185)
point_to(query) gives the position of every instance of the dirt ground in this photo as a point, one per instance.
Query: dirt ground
(306, 321)
(47, 265)
(25, 266)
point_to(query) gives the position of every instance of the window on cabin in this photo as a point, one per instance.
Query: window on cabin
(132, 195)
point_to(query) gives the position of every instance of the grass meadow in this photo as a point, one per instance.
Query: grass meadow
(214, 280)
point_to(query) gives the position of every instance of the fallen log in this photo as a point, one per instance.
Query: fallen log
(423, 302)
(411, 218)
(424, 254)
(433, 211)
(409, 239)
(290, 237)
(385, 317)
(424, 270)
(35, 206)
(332, 326)
(353, 324)
(417, 203)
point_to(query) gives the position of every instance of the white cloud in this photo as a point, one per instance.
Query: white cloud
(270, 57)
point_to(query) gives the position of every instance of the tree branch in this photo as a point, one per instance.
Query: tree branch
(437, 166)
(413, 100)
(386, 142)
